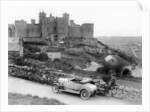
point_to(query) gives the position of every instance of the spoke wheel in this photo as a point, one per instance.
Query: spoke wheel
(85, 94)
(55, 88)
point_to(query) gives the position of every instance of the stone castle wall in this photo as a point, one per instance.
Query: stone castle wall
(48, 26)
(74, 31)
(87, 30)
(33, 30)
(61, 26)
(21, 28)
(11, 30)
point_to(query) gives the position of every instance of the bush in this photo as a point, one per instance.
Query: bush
(57, 60)
(19, 61)
(60, 64)
(32, 56)
(43, 57)
(108, 67)
(33, 49)
(126, 73)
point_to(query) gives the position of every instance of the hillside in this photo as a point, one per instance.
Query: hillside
(131, 45)
(119, 40)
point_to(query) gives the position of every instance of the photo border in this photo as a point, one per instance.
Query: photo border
(4, 69)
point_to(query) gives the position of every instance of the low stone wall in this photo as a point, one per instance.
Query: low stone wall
(49, 76)
(37, 74)
(130, 94)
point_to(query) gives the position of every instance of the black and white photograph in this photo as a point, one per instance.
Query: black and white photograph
(75, 53)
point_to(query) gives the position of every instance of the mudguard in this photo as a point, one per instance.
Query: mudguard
(55, 84)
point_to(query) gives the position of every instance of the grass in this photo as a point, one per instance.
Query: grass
(19, 99)
(130, 84)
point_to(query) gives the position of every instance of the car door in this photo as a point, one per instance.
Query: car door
(76, 86)
(69, 84)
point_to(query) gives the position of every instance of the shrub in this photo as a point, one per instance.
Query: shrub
(19, 61)
(60, 64)
(43, 57)
(33, 56)
(33, 49)
(56, 60)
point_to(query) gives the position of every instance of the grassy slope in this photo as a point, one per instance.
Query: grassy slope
(19, 99)
(119, 40)
(122, 43)
(130, 84)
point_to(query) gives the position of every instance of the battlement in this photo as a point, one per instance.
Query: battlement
(33, 21)
(51, 25)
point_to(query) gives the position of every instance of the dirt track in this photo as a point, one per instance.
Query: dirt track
(16, 85)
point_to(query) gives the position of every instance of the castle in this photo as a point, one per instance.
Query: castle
(50, 26)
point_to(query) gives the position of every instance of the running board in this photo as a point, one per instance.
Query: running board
(70, 91)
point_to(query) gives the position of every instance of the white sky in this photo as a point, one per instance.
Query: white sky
(109, 18)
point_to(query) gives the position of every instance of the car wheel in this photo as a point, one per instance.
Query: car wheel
(55, 88)
(85, 94)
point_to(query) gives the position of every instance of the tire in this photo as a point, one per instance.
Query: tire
(55, 88)
(85, 94)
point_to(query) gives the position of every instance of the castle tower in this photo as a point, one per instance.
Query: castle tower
(66, 17)
(87, 30)
(50, 15)
(41, 16)
(33, 21)
(21, 28)
(72, 23)
(62, 24)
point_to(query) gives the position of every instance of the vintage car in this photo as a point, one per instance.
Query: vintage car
(84, 87)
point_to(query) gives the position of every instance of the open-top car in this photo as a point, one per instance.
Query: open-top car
(75, 85)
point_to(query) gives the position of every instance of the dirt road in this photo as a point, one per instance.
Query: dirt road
(16, 85)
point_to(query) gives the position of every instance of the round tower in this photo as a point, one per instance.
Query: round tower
(87, 30)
